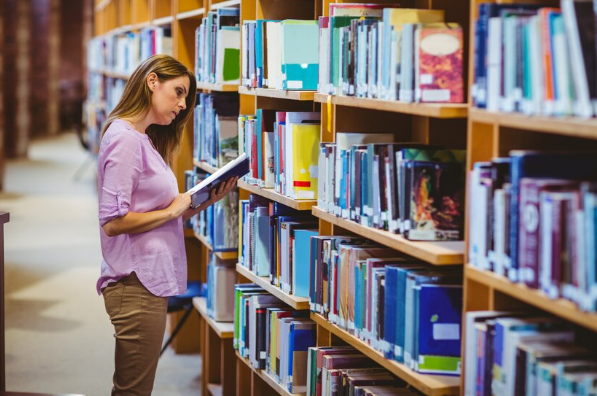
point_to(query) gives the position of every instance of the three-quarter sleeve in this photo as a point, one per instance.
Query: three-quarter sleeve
(122, 166)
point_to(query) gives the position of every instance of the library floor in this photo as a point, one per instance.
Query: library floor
(59, 338)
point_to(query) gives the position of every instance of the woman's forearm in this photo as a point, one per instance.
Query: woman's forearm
(194, 212)
(136, 223)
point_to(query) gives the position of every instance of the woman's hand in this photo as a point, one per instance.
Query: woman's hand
(179, 206)
(215, 195)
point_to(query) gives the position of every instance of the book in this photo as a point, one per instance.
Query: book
(236, 168)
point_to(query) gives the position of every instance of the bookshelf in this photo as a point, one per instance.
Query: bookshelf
(433, 385)
(218, 366)
(270, 193)
(278, 93)
(217, 87)
(416, 109)
(204, 166)
(297, 303)
(222, 255)
(262, 375)
(437, 253)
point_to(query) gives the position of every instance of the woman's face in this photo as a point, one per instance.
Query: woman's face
(168, 99)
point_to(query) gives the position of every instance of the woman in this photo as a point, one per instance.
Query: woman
(141, 215)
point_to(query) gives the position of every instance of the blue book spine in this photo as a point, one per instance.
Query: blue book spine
(342, 200)
(480, 64)
(259, 52)
(313, 273)
(391, 297)
(357, 296)
(302, 258)
(400, 315)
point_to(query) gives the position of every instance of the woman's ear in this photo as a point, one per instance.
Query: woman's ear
(152, 80)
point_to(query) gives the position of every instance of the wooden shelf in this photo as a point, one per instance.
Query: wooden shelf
(205, 166)
(560, 307)
(222, 329)
(298, 303)
(566, 126)
(436, 253)
(217, 87)
(434, 110)
(278, 93)
(112, 74)
(267, 378)
(193, 14)
(189, 233)
(433, 385)
(163, 21)
(221, 255)
(215, 389)
(270, 193)
(222, 4)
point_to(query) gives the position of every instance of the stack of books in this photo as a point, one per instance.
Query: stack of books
(374, 51)
(512, 353)
(391, 301)
(217, 47)
(272, 336)
(280, 54)
(532, 219)
(275, 243)
(283, 148)
(345, 371)
(407, 188)
(536, 60)
(216, 128)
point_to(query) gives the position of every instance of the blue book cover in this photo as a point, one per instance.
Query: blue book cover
(536, 164)
(261, 235)
(300, 54)
(301, 264)
(302, 336)
(260, 48)
(439, 335)
(391, 304)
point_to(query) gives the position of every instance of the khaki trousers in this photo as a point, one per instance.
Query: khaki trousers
(139, 320)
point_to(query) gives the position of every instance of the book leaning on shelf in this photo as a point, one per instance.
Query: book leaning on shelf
(532, 219)
(221, 276)
(536, 60)
(217, 47)
(375, 51)
(283, 149)
(509, 353)
(216, 128)
(402, 307)
(408, 188)
(275, 242)
(272, 336)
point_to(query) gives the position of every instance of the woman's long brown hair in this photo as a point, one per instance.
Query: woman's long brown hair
(136, 100)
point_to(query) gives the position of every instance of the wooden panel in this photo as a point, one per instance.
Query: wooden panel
(140, 11)
(243, 378)
(515, 139)
(223, 330)
(4, 218)
(350, 119)
(189, 5)
(284, 9)
(228, 368)
(163, 8)
(480, 144)
(270, 193)
(294, 301)
(186, 341)
(421, 109)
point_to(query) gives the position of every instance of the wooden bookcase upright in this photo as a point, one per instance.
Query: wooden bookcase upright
(495, 134)
(432, 124)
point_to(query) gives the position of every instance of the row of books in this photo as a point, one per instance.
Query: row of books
(408, 188)
(272, 336)
(221, 277)
(122, 53)
(275, 243)
(515, 353)
(217, 47)
(219, 222)
(407, 310)
(216, 128)
(536, 60)
(532, 219)
(280, 54)
(375, 51)
(283, 149)
(344, 371)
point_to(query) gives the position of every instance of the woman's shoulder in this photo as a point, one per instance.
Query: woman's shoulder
(121, 130)
(121, 138)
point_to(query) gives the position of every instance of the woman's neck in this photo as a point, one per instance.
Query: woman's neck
(140, 123)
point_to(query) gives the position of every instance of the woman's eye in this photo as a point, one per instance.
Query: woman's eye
(179, 92)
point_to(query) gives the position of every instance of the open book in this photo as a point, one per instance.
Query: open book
(238, 167)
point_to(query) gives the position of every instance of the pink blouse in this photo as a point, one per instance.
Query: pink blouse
(132, 176)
